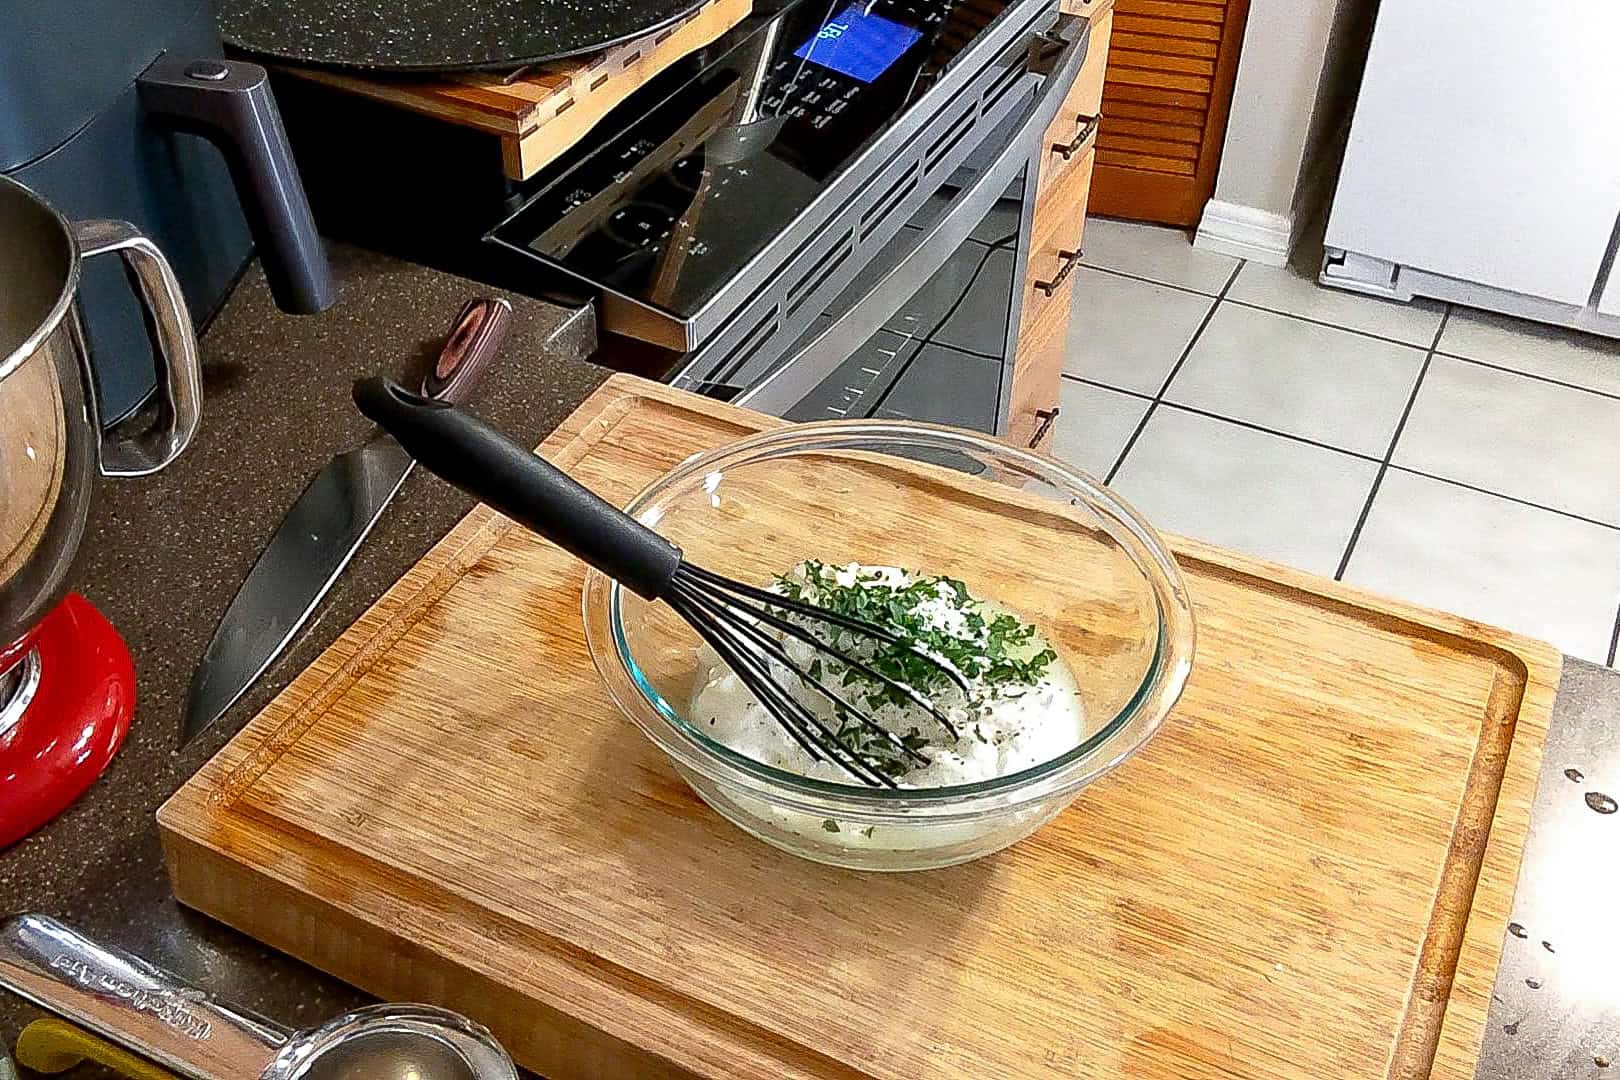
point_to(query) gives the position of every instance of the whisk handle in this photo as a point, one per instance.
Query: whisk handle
(462, 449)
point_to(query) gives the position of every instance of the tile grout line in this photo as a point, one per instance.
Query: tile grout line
(1180, 360)
(1252, 306)
(1083, 381)
(1386, 464)
(1531, 375)
(1389, 453)
(1506, 498)
(1434, 346)
(1155, 281)
(1614, 638)
(1323, 322)
(1179, 407)
(1137, 395)
(1397, 341)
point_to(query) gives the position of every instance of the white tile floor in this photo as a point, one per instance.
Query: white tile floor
(1459, 459)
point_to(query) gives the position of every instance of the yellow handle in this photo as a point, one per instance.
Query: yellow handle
(52, 1046)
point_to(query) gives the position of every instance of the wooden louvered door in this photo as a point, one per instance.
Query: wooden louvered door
(1171, 67)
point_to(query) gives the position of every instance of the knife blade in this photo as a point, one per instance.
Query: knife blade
(325, 527)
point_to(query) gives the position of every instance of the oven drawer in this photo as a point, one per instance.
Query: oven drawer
(1060, 221)
(1085, 7)
(906, 264)
(1062, 191)
(1032, 400)
(1048, 295)
(1084, 99)
(1074, 131)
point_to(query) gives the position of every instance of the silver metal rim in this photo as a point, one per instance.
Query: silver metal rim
(70, 288)
(14, 701)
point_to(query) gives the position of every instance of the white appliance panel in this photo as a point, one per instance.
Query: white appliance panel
(1485, 145)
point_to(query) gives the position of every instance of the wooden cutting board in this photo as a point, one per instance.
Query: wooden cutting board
(1306, 873)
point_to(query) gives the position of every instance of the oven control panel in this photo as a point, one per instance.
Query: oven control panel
(669, 211)
(824, 76)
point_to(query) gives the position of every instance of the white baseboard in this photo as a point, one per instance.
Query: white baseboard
(1245, 231)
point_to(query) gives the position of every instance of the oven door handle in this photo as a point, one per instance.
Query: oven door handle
(1059, 53)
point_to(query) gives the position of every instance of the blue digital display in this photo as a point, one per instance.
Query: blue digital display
(857, 44)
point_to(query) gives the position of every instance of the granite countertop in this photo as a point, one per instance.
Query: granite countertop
(165, 554)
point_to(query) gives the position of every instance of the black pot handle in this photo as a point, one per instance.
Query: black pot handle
(462, 449)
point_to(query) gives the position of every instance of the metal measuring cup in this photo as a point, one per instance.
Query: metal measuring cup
(148, 1010)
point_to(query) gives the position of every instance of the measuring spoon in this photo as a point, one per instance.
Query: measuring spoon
(152, 1012)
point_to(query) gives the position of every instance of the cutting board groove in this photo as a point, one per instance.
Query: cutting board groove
(1307, 873)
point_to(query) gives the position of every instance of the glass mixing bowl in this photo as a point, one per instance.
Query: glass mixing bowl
(1043, 539)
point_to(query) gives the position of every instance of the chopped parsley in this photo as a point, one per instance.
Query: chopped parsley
(995, 652)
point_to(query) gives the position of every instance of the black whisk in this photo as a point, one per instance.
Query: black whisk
(729, 615)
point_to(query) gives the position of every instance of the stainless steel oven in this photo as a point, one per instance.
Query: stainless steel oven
(777, 219)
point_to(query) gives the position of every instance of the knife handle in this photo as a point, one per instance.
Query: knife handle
(458, 447)
(475, 338)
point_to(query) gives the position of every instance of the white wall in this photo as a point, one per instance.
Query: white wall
(1297, 74)
(1347, 46)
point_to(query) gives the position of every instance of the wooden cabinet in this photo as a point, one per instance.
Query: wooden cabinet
(1064, 187)
(1043, 331)
(1165, 100)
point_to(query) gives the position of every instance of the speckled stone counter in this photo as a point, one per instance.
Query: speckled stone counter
(165, 554)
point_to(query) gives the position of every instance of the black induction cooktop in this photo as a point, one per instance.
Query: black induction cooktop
(674, 208)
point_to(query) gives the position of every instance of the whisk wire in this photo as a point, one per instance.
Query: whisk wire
(722, 647)
(776, 652)
(768, 617)
(763, 613)
(815, 611)
(754, 671)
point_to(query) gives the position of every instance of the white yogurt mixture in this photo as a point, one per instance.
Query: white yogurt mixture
(1022, 708)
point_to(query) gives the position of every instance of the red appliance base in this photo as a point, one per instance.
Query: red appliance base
(75, 722)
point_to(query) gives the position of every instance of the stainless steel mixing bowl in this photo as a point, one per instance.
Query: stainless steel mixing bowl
(51, 444)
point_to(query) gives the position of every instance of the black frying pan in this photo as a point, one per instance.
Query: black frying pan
(437, 35)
